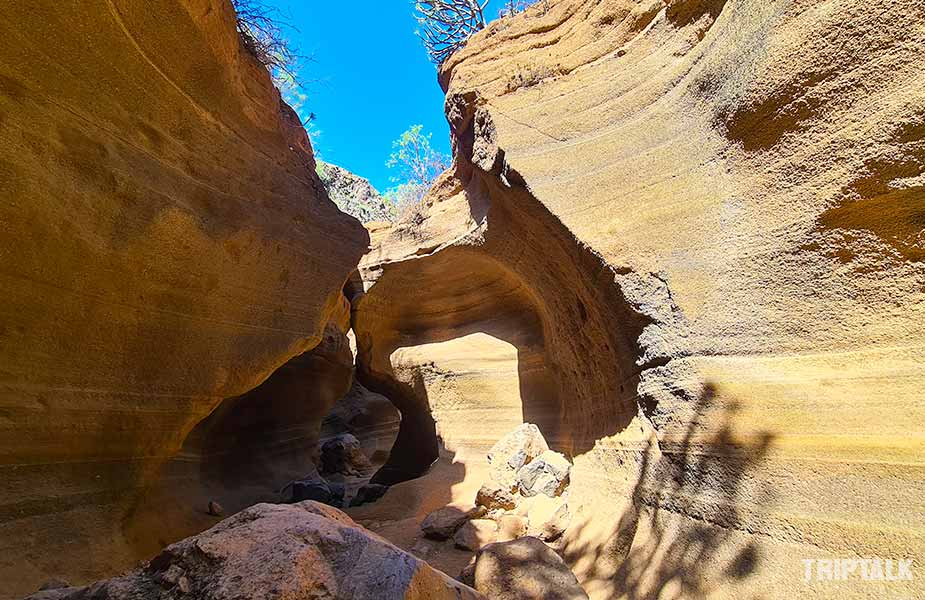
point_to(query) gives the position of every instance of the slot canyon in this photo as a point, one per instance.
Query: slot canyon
(684, 239)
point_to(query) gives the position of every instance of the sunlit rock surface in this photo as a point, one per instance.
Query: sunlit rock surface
(354, 195)
(164, 245)
(273, 552)
(700, 225)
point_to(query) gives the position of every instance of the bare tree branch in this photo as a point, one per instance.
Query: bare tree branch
(446, 25)
(512, 7)
(261, 28)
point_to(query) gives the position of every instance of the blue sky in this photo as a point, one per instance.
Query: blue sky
(369, 80)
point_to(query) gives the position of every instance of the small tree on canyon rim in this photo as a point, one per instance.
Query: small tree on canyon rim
(446, 25)
(513, 7)
(418, 166)
(262, 29)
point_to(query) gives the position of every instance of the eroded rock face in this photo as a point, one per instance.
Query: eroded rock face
(255, 444)
(354, 195)
(369, 417)
(698, 223)
(165, 246)
(306, 550)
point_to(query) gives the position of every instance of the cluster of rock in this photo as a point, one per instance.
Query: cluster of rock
(370, 417)
(343, 463)
(518, 513)
(527, 494)
(307, 550)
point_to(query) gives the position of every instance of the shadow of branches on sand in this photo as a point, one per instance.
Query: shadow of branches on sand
(683, 531)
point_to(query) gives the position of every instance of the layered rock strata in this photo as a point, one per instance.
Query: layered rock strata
(699, 222)
(166, 245)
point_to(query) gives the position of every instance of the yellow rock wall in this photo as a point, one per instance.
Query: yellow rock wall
(734, 192)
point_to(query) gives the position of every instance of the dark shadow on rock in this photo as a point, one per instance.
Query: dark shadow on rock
(416, 448)
(880, 203)
(685, 12)
(762, 121)
(270, 434)
(678, 530)
(246, 451)
(398, 514)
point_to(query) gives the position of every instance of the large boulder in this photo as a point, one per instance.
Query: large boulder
(547, 474)
(515, 450)
(278, 552)
(443, 522)
(524, 569)
(476, 533)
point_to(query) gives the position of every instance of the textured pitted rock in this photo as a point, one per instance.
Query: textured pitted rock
(443, 523)
(515, 450)
(354, 195)
(368, 416)
(700, 224)
(524, 569)
(476, 533)
(546, 474)
(277, 552)
(495, 496)
(342, 454)
(165, 245)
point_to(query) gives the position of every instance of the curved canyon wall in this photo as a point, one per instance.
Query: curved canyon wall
(166, 245)
(689, 235)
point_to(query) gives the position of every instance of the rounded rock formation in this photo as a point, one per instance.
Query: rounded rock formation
(166, 246)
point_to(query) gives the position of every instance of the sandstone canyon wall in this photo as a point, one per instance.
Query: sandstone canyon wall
(166, 245)
(683, 237)
(688, 235)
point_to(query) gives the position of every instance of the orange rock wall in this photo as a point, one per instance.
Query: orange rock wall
(164, 245)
